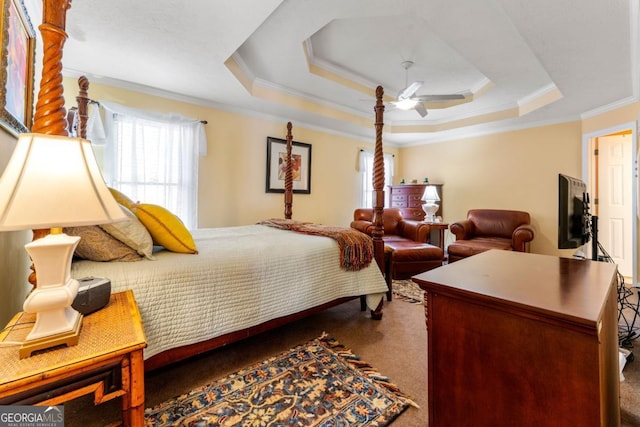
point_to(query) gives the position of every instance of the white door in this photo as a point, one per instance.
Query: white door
(615, 200)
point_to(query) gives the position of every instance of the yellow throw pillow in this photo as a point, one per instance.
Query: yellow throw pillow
(165, 228)
(121, 198)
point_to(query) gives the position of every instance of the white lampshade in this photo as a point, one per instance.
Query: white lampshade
(430, 194)
(54, 181)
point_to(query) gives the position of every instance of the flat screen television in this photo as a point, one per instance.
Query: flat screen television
(573, 213)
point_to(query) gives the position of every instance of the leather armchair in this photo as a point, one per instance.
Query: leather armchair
(395, 226)
(407, 248)
(485, 229)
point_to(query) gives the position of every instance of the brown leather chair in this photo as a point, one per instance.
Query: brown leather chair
(485, 229)
(407, 248)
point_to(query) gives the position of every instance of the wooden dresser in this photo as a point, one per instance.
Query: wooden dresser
(522, 339)
(408, 198)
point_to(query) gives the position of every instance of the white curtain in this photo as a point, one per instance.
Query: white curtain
(365, 166)
(153, 158)
(95, 128)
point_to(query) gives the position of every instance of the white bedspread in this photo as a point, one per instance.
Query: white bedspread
(242, 276)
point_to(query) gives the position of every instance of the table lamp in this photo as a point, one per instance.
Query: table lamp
(53, 182)
(430, 207)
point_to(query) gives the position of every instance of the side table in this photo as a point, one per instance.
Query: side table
(436, 236)
(107, 361)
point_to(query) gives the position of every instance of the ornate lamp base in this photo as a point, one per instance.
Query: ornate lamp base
(430, 210)
(56, 322)
(68, 338)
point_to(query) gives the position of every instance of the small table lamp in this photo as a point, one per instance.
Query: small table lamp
(53, 182)
(430, 207)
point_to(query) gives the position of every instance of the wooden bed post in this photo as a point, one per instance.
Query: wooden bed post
(378, 183)
(50, 116)
(288, 179)
(83, 106)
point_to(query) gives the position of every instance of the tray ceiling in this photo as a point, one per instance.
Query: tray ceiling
(317, 62)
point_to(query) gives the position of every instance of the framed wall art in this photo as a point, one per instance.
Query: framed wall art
(276, 162)
(17, 63)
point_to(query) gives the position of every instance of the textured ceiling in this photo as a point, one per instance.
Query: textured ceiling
(317, 62)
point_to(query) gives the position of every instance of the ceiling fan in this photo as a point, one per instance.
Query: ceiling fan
(408, 100)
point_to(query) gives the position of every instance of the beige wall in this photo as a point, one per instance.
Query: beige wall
(14, 262)
(231, 187)
(611, 119)
(514, 170)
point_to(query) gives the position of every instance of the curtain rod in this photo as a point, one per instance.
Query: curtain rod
(362, 149)
(91, 101)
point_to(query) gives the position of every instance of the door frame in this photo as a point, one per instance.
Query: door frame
(587, 168)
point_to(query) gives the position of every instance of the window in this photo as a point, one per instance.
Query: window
(153, 158)
(366, 171)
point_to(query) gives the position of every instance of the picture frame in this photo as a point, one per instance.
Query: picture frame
(276, 157)
(17, 64)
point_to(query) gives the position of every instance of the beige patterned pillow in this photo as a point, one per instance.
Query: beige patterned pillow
(98, 245)
(132, 233)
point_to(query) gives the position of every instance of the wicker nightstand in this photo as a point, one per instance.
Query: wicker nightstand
(107, 362)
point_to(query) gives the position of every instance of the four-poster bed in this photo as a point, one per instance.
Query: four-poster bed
(191, 315)
(186, 316)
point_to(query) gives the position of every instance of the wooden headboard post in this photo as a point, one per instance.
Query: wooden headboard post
(83, 106)
(378, 182)
(50, 116)
(288, 178)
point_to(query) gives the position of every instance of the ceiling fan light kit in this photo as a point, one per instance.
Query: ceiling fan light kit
(406, 104)
(408, 100)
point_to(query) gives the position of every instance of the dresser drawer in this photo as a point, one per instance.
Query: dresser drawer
(400, 198)
(415, 200)
(403, 190)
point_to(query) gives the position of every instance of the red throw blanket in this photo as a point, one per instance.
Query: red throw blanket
(356, 248)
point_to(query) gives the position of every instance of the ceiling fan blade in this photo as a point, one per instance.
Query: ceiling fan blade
(444, 97)
(420, 108)
(410, 90)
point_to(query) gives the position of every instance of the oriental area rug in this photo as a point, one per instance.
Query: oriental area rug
(407, 290)
(320, 383)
